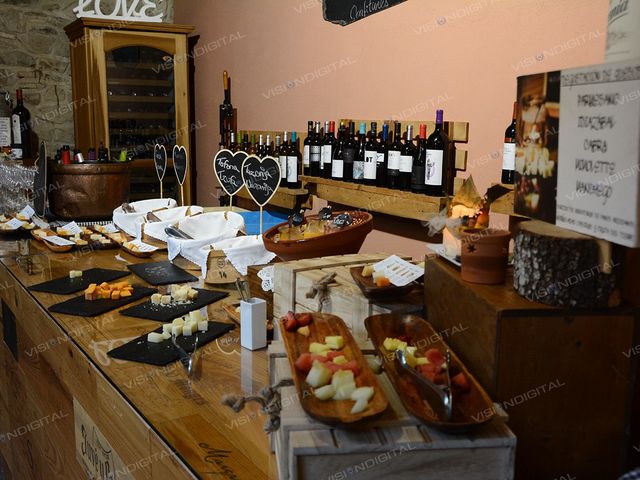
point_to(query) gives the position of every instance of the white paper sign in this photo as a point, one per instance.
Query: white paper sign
(27, 212)
(599, 151)
(72, 228)
(56, 240)
(13, 224)
(109, 228)
(398, 271)
(141, 246)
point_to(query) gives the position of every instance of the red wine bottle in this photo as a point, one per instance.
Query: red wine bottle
(407, 155)
(306, 147)
(5, 120)
(315, 152)
(381, 158)
(294, 163)
(509, 150)
(21, 129)
(436, 160)
(283, 153)
(245, 143)
(358, 162)
(328, 144)
(337, 162)
(417, 174)
(393, 159)
(349, 154)
(371, 156)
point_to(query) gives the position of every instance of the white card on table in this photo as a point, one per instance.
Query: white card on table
(56, 240)
(398, 271)
(72, 228)
(27, 212)
(14, 224)
(143, 247)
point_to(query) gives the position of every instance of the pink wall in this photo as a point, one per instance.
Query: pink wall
(459, 55)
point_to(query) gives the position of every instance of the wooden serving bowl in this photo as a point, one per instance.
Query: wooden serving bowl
(373, 292)
(342, 242)
(471, 409)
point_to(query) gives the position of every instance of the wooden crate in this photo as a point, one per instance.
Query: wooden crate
(294, 279)
(394, 445)
(518, 350)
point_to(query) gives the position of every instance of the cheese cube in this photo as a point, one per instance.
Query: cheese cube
(166, 335)
(196, 315)
(105, 241)
(178, 321)
(192, 294)
(125, 293)
(154, 337)
(166, 328)
(165, 300)
(115, 295)
(156, 298)
(75, 273)
(187, 330)
(176, 330)
(95, 236)
(180, 294)
(81, 243)
(203, 325)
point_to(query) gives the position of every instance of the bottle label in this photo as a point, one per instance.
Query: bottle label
(358, 170)
(433, 167)
(379, 158)
(326, 154)
(509, 156)
(337, 168)
(305, 156)
(406, 163)
(17, 132)
(315, 154)
(5, 131)
(370, 164)
(292, 169)
(283, 166)
(16, 153)
(394, 160)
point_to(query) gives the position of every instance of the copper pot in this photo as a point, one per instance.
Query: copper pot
(88, 191)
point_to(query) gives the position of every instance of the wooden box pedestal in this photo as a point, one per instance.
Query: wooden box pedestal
(566, 378)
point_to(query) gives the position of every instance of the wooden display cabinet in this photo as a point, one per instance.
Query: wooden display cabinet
(131, 91)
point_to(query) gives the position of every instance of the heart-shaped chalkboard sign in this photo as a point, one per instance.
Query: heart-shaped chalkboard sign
(180, 163)
(160, 160)
(261, 177)
(228, 169)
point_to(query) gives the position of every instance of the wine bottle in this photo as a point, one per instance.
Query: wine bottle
(407, 156)
(5, 121)
(306, 147)
(21, 129)
(417, 173)
(315, 152)
(328, 145)
(233, 146)
(381, 159)
(509, 150)
(393, 159)
(370, 168)
(245, 143)
(283, 153)
(349, 153)
(337, 162)
(253, 148)
(358, 162)
(103, 153)
(294, 163)
(436, 161)
(268, 148)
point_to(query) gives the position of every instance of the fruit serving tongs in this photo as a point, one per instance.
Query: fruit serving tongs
(439, 397)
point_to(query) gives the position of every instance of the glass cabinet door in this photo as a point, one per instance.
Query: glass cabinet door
(141, 113)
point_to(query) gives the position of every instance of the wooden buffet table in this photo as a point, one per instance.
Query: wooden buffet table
(161, 424)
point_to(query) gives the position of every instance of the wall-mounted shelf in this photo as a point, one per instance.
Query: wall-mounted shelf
(398, 203)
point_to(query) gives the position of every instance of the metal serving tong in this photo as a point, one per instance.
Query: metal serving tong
(177, 233)
(439, 398)
(243, 289)
(189, 360)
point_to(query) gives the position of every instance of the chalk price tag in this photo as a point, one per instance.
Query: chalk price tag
(398, 271)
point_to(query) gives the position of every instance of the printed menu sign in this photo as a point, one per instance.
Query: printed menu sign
(599, 148)
(93, 451)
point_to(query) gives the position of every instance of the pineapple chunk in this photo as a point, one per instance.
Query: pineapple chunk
(359, 406)
(362, 392)
(421, 361)
(304, 331)
(390, 344)
(341, 360)
(319, 375)
(342, 377)
(334, 342)
(344, 391)
(320, 348)
(325, 393)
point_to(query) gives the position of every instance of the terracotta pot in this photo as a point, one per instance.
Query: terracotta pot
(485, 253)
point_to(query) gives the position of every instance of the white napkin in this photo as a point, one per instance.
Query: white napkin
(205, 230)
(127, 221)
(245, 251)
(168, 217)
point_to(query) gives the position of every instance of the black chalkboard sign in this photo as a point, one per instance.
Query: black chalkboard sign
(180, 163)
(344, 12)
(228, 169)
(160, 160)
(261, 177)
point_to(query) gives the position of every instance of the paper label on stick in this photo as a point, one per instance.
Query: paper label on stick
(27, 212)
(141, 246)
(72, 228)
(13, 224)
(110, 228)
(56, 240)
(398, 271)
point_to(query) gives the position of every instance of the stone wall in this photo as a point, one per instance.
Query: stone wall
(34, 55)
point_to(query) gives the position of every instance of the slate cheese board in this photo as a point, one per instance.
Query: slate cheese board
(80, 307)
(161, 273)
(67, 286)
(166, 313)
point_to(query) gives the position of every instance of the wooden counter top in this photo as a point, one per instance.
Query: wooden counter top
(211, 439)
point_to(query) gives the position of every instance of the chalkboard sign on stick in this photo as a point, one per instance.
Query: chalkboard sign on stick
(228, 169)
(160, 161)
(262, 178)
(344, 12)
(180, 166)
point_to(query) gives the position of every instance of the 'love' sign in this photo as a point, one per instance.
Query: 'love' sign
(135, 10)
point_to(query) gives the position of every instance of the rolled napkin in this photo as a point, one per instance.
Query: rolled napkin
(168, 217)
(245, 251)
(127, 221)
